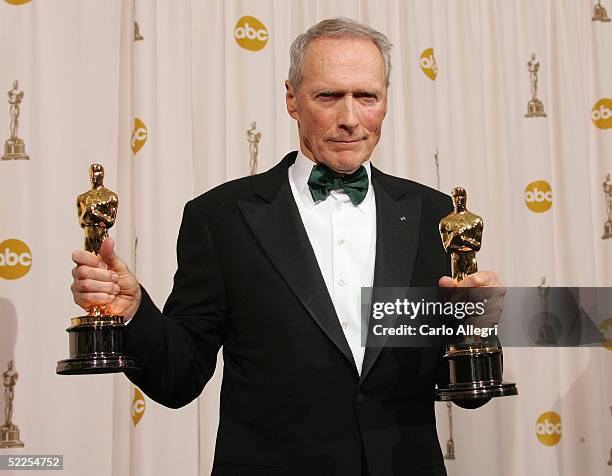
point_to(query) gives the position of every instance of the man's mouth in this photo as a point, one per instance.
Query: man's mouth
(345, 141)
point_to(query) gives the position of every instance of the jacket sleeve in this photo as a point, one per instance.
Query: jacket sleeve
(176, 350)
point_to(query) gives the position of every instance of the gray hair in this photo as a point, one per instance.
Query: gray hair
(336, 28)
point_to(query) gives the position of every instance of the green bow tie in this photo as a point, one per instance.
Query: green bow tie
(322, 181)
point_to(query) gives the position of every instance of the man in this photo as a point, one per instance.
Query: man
(270, 267)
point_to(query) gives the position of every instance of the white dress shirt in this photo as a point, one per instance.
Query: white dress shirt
(343, 237)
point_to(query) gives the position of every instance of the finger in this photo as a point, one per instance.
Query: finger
(91, 286)
(476, 280)
(85, 258)
(482, 279)
(108, 256)
(87, 300)
(96, 274)
(447, 282)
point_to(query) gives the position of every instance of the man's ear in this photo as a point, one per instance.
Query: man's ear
(291, 100)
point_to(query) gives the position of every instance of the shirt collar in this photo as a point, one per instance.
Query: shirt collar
(300, 172)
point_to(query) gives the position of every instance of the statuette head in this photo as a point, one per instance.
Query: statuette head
(96, 174)
(459, 196)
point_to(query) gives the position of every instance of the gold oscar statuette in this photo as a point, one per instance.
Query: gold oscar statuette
(607, 189)
(450, 443)
(475, 368)
(253, 136)
(535, 107)
(14, 148)
(96, 340)
(9, 432)
(137, 35)
(546, 334)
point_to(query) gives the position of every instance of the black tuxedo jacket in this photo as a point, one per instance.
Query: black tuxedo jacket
(292, 401)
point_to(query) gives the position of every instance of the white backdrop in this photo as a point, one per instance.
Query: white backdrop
(167, 116)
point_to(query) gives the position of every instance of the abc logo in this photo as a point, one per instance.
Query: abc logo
(428, 64)
(250, 33)
(606, 333)
(138, 406)
(602, 113)
(139, 135)
(17, 2)
(538, 196)
(548, 428)
(15, 259)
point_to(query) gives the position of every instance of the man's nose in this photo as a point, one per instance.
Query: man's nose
(347, 116)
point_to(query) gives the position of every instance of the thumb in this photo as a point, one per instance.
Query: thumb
(109, 257)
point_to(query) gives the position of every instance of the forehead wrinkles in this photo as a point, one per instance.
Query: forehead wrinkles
(340, 59)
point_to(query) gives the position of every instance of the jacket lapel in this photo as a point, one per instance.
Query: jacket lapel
(398, 218)
(277, 226)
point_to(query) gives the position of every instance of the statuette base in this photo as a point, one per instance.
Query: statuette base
(9, 437)
(97, 345)
(535, 108)
(607, 230)
(14, 149)
(475, 374)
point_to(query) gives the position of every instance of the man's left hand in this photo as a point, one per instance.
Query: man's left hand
(494, 297)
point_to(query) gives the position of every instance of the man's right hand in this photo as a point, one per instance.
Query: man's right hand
(105, 280)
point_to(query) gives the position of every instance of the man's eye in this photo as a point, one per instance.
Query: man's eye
(368, 100)
(366, 97)
(328, 95)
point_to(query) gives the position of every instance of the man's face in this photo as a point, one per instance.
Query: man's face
(340, 103)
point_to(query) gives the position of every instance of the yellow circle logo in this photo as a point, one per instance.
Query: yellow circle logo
(250, 33)
(17, 2)
(15, 259)
(548, 428)
(538, 196)
(428, 64)
(139, 135)
(606, 333)
(601, 115)
(138, 406)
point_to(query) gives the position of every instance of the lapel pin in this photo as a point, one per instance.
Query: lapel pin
(403, 218)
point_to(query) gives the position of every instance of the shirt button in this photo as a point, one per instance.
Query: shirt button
(341, 282)
(341, 241)
(344, 324)
(339, 206)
